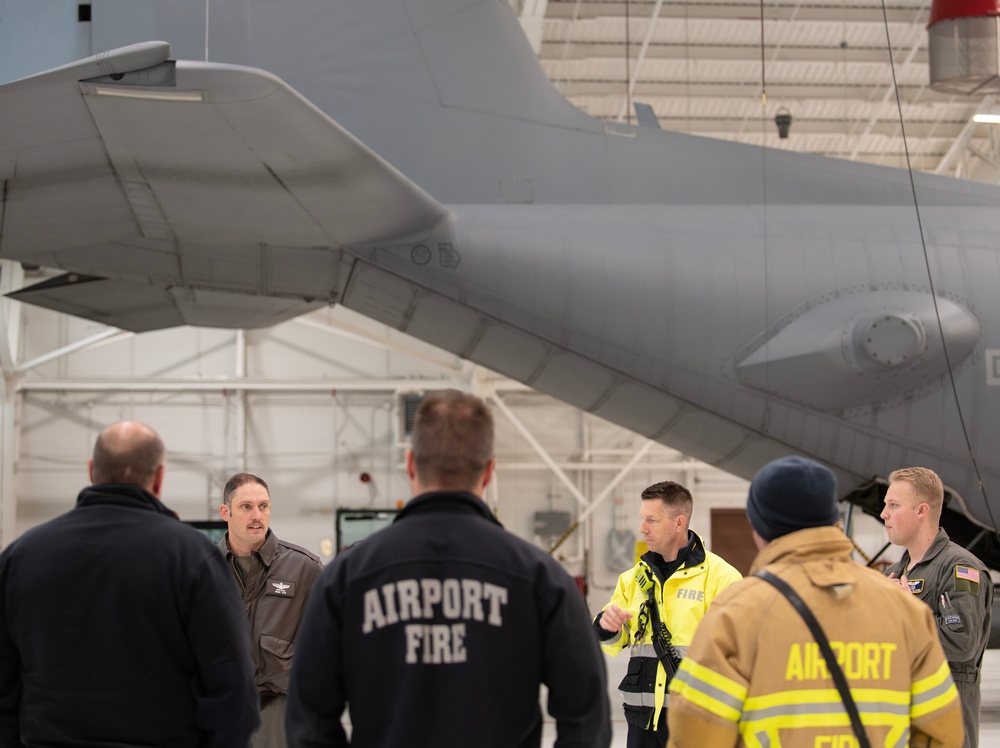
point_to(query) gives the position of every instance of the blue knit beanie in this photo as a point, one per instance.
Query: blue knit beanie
(791, 494)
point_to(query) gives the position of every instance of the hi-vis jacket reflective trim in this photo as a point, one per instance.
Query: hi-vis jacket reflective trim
(754, 675)
(682, 599)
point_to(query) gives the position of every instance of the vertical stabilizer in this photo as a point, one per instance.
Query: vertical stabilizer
(416, 80)
(463, 54)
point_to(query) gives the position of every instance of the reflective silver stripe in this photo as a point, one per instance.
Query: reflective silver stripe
(639, 699)
(647, 650)
(643, 650)
(904, 740)
(682, 650)
(717, 694)
(764, 739)
(833, 707)
(933, 693)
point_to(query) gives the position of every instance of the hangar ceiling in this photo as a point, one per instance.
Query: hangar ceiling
(699, 65)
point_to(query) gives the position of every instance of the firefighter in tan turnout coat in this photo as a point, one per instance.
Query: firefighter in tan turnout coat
(754, 675)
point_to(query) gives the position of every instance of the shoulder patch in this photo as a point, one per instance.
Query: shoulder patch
(280, 588)
(916, 585)
(967, 578)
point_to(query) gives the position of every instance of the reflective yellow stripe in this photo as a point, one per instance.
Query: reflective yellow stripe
(932, 693)
(893, 701)
(708, 689)
(764, 716)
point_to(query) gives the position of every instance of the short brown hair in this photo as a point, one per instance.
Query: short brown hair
(452, 440)
(234, 483)
(127, 452)
(926, 484)
(677, 498)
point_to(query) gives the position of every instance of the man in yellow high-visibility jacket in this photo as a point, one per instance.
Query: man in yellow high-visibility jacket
(671, 586)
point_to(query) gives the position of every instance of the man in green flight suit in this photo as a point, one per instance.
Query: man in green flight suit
(951, 580)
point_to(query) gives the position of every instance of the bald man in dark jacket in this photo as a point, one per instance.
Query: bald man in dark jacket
(120, 625)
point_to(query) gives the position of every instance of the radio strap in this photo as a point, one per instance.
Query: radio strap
(824, 646)
(665, 653)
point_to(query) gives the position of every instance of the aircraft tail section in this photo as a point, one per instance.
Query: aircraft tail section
(468, 55)
(426, 84)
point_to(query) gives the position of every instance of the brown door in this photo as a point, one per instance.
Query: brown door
(731, 538)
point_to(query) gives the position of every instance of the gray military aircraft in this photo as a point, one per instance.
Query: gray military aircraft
(410, 160)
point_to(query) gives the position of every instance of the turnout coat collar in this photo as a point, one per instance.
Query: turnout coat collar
(810, 544)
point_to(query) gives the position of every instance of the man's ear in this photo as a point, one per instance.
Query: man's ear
(224, 512)
(491, 467)
(158, 480)
(411, 465)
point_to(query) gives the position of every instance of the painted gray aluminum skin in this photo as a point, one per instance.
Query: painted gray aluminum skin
(409, 159)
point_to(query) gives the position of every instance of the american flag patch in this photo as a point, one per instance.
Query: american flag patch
(967, 572)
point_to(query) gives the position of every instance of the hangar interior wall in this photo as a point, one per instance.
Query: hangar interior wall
(311, 406)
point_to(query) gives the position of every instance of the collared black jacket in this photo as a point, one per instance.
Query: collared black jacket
(274, 596)
(120, 626)
(437, 631)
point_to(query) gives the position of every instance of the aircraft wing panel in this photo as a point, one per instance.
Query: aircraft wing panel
(251, 160)
(192, 154)
(52, 160)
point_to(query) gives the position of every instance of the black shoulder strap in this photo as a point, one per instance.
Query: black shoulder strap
(665, 651)
(824, 646)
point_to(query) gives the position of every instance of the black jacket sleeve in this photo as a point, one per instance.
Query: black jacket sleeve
(10, 675)
(572, 664)
(227, 703)
(316, 693)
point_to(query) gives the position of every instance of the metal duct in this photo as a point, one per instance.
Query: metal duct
(963, 48)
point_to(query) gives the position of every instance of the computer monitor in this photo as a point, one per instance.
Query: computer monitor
(354, 525)
(214, 529)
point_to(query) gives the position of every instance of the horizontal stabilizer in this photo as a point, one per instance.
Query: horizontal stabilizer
(146, 168)
(140, 308)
